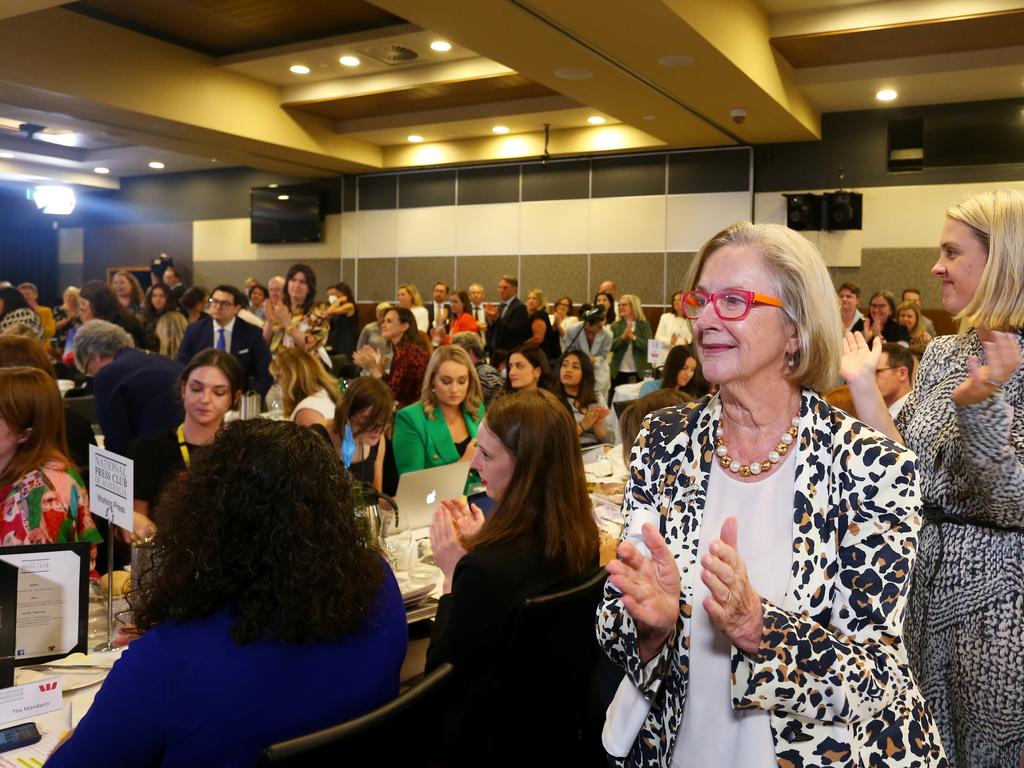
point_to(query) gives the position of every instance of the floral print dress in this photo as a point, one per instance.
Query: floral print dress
(315, 325)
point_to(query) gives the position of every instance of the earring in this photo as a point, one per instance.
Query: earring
(791, 359)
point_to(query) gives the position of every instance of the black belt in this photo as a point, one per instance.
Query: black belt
(935, 516)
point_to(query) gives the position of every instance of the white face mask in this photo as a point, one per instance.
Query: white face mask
(332, 298)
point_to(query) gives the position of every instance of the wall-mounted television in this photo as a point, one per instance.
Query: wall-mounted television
(285, 214)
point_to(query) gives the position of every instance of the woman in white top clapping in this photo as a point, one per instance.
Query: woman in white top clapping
(673, 327)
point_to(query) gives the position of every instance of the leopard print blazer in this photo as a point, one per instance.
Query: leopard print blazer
(831, 653)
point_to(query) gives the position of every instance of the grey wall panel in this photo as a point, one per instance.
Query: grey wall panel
(677, 265)
(491, 184)
(376, 280)
(567, 180)
(131, 245)
(349, 190)
(378, 193)
(486, 270)
(561, 275)
(210, 273)
(424, 271)
(69, 274)
(640, 273)
(634, 175)
(726, 170)
(420, 190)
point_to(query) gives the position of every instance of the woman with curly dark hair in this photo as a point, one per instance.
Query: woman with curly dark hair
(97, 302)
(266, 612)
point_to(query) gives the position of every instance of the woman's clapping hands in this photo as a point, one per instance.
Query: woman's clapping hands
(454, 522)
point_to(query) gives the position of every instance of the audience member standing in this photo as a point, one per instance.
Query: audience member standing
(630, 334)
(965, 420)
(478, 310)
(136, 393)
(172, 279)
(594, 340)
(344, 319)
(674, 327)
(128, 290)
(409, 298)
(459, 318)
(257, 298)
(31, 294)
(297, 319)
(542, 334)
(222, 329)
(437, 309)
(509, 322)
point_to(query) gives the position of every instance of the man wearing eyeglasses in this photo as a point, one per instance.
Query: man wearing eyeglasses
(894, 374)
(221, 328)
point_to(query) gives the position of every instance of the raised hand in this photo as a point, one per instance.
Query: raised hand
(1002, 359)
(733, 606)
(860, 359)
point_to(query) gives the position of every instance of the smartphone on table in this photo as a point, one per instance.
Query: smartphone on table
(18, 736)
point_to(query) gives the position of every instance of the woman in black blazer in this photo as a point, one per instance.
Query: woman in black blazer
(541, 536)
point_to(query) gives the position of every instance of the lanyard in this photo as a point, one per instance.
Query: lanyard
(182, 445)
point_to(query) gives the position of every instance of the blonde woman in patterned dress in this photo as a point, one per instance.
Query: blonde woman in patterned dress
(965, 420)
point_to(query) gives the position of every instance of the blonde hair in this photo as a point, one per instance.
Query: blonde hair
(417, 300)
(301, 375)
(914, 307)
(474, 395)
(808, 298)
(996, 219)
(539, 295)
(634, 304)
(170, 330)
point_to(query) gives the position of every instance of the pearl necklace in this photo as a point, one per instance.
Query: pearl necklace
(774, 457)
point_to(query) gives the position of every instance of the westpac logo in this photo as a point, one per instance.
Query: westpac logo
(47, 686)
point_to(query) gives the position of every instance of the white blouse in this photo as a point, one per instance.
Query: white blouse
(671, 323)
(711, 732)
(320, 402)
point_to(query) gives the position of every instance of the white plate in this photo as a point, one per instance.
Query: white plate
(70, 679)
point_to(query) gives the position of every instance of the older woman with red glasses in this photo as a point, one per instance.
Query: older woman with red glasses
(768, 545)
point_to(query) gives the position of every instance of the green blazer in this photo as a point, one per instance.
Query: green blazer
(421, 443)
(642, 331)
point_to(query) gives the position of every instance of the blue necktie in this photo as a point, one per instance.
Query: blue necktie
(220, 339)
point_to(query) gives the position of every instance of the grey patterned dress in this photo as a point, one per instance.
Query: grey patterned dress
(965, 622)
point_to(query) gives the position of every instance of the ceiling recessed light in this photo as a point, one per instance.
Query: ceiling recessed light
(596, 120)
(282, 197)
(6, 155)
(675, 61)
(349, 61)
(415, 139)
(648, 117)
(573, 73)
(499, 129)
(299, 69)
(156, 166)
(440, 46)
(886, 94)
(101, 170)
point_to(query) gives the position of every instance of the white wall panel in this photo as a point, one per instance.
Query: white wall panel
(487, 230)
(627, 224)
(555, 226)
(426, 231)
(692, 219)
(71, 245)
(349, 235)
(222, 240)
(376, 234)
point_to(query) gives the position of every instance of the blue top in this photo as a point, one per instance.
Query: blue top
(185, 694)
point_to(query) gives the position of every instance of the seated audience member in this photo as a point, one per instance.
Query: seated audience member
(65, 317)
(31, 294)
(894, 375)
(159, 301)
(499, 360)
(491, 382)
(370, 335)
(633, 417)
(630, 334)
(849, 299)
(594, 340)
(222, 329)
(17, 351)
(42, 496)
(409, 298)
(913, 295)
(540, 537)
(310, 393)
(459, 318)
(576, 382)
(528, 368)
(679, 373)
(136, 393)
(344, 319)
(129, 293)
(358, 433)
(193, 303)
(441, 428)
(14, 311)
(882, 320)
(257, 295)
(297, 320)
(562, 320)
(210, 386)
(266, 615)
(543, 334)
(97, 302)
(170, 332)
(173, 279)
(674, 327)
(910, 317)
(409, 356)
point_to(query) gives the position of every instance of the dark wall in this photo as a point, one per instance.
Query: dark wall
(854, 150)
(28, 243)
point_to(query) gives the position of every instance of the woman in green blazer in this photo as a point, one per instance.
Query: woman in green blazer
(441, 427)
(630, 334)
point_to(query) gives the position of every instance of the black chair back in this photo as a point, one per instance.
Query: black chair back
(401, 732)
(85, 405)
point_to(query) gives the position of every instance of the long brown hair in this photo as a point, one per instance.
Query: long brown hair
(412, 333)
(301, 375)
(365, 392)
(546, 500)
(29, 399)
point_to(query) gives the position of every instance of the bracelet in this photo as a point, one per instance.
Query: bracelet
(994, 383)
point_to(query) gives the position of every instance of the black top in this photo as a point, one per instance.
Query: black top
(462, 446)
(362, 471)
(343, 335)
(511, 329)
(552, 344)
(891, 331)
(158, 461)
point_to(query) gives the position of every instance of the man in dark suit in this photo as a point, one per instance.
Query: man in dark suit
(509, 323)
(221, 329)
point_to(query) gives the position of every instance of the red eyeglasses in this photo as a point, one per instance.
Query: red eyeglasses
(730, 304)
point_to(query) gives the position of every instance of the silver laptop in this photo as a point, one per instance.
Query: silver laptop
(420, 493)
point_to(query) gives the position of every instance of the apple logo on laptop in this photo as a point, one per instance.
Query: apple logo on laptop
(432, 497)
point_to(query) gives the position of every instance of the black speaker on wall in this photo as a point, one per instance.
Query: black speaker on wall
(842, 210)
(803, 211)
